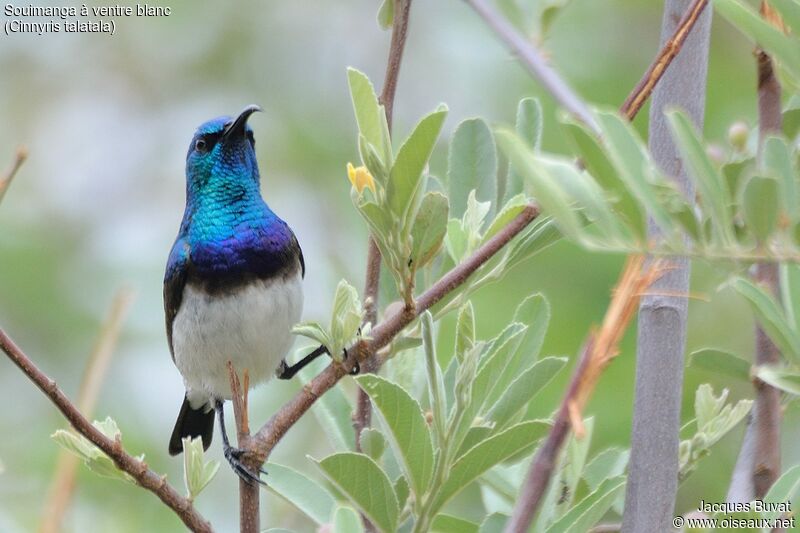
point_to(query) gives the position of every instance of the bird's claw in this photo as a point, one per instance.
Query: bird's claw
(356, 367)
(234, 457)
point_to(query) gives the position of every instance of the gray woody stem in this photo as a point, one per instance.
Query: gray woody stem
(653, 469)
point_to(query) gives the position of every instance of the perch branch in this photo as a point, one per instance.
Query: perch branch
(759, 462)
(600, 348)
(533, 61)
(63, 483)
(137, 469)
(642, 91)
(249, 519)
(263, 442)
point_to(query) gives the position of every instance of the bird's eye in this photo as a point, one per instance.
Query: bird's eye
(251, 138)
(200, 145)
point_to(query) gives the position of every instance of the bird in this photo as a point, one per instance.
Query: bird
(233, 282)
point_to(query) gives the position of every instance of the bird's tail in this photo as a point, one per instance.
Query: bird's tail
(191, 423)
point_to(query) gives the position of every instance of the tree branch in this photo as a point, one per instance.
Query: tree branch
(19, 157)
(137, 469)
(263, 442)
(599, 350)
(641, 92)
(661, 342)
(533, 61)
(249, 515)
(362, 418)
(63, 483)
(759, 461)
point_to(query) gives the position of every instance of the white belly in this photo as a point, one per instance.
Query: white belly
(250, 327)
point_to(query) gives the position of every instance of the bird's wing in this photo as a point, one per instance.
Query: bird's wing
(174, 281)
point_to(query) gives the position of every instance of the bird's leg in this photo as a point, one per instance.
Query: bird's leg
(285, 371)
(234, 455)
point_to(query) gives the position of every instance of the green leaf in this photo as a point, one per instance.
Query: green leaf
(429, 228)
(605, 465)
(313, 331)
(509, 212)
(722, 362)
(445, 523)
(369, 113)
(790, 12)
(332, 410)
(373, 443)
(549, 195)
(401, 489)
(409, 433)
(197, 473)
(713, 189)
(785, 379)
(494, 523)
(364, 483)
(577, 449)
(345, 519)
(777, 157)
(346, 318)
(471, 164)
(309, 496)
(529, 129)
(789, 275)
(760, 206)
(784, 490)
(524, 388)
(93, 457)
(591, 509)
(748, 21)
(630, 158)
(465, 330)
(771, 318)
(534, 312)
(386, 14)
(485, 455)
(405, 178)
(436, 389)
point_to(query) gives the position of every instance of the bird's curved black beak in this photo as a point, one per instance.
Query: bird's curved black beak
(236, 127)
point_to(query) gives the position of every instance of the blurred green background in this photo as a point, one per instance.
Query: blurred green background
(107, 120)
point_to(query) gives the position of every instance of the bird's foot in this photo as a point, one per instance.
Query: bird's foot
(356, 366)
(234, 457)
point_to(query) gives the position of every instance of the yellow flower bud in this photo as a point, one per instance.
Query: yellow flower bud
(360, 178)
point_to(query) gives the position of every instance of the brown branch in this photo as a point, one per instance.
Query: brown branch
(600, 348)
(535, 63)
(249, 514)
(19, 158)
(759, 463)
(63, 483)
(362, 418)
(137, 469)
(641, 92)
(263, 442)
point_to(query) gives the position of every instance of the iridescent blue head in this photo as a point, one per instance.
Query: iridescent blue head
(222, 155)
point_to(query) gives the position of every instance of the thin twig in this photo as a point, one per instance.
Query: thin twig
(600, 348)
(19, 157)
(146, 478)
(759, 462)
(362, 418)
(641, 92)
(532, 59)
(249, 502)
(63, 483)
(263, 442)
